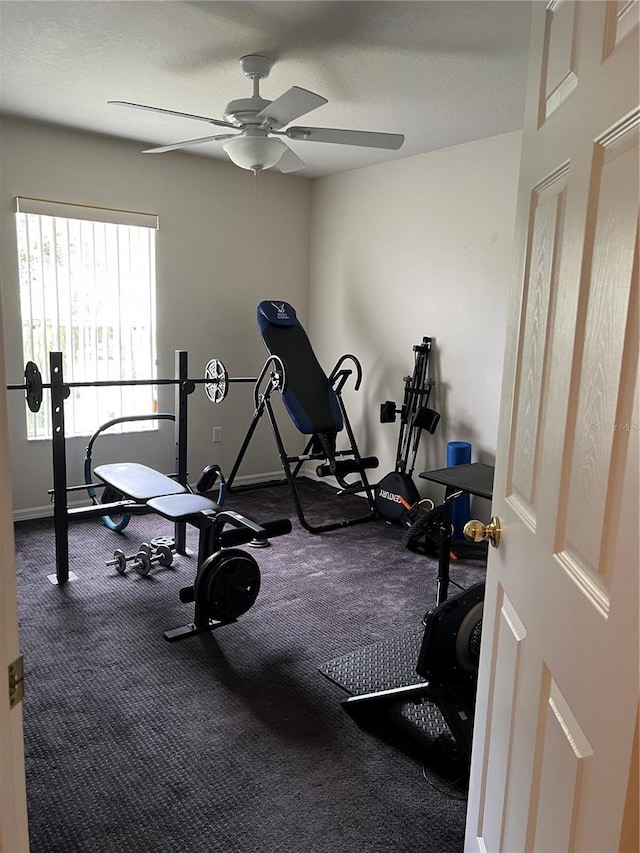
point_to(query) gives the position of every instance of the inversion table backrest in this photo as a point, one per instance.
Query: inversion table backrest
(308, 396)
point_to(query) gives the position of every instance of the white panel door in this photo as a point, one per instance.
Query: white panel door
(13, 799)
(557, 705)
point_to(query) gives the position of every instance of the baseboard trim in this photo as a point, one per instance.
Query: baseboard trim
(34, 512)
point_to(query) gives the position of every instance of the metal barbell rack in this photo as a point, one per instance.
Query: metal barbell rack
(216, 384)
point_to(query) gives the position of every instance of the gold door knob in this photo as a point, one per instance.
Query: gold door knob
(476, 531)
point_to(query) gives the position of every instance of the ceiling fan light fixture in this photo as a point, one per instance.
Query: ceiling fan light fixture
(255, 153)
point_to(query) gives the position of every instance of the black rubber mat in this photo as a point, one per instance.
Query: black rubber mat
(385, 665)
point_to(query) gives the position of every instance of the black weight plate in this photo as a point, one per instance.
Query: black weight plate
(227, 584)
(33, 385)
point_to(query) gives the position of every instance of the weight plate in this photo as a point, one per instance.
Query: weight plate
(120, 561)
(142, 563)
(163, 555)
(217, 385)
(169, 541)
(33, 385)
(227, 584)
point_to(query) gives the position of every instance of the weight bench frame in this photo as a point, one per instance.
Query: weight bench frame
(144, 487)
(148, 488)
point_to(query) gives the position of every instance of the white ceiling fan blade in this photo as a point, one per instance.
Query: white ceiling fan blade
(188, 142)
(365, 138)
(290, 162)
(291, 104)
(215, 121)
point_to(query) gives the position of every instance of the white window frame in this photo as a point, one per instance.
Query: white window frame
(86, 304)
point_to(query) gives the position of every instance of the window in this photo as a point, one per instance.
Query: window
(87, 289)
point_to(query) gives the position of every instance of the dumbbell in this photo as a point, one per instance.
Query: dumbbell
(142, 561)
(120, 559)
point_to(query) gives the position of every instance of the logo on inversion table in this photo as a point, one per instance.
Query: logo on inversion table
(281, 313)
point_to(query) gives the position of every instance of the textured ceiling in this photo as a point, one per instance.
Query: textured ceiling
(442, 73)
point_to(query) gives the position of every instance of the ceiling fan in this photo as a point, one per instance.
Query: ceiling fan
(260, 124)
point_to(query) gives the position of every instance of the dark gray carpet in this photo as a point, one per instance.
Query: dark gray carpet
(230, 741)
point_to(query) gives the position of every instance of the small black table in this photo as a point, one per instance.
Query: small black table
(476, 478)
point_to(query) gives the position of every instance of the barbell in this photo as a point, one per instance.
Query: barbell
(216, 383)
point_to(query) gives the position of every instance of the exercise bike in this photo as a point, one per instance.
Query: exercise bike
(447, 663)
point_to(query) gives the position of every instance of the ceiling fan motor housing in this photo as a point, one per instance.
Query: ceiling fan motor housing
(244, 111)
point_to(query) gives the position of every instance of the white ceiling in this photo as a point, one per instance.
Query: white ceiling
(443, 72)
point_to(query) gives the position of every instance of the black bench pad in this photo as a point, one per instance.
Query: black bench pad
(182, 507)
(138, 481)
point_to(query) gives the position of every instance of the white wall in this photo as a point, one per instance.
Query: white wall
(421, 246)
(224, 244)
(372, 259)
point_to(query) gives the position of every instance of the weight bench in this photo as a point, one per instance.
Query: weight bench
(314, 403)
(228, 579)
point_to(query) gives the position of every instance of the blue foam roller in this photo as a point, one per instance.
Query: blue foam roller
(459, 453)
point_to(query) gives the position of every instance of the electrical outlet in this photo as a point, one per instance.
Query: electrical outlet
(217, 435)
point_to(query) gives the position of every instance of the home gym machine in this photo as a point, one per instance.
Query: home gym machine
(397, 492)
(227, 579)
(216, 384)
